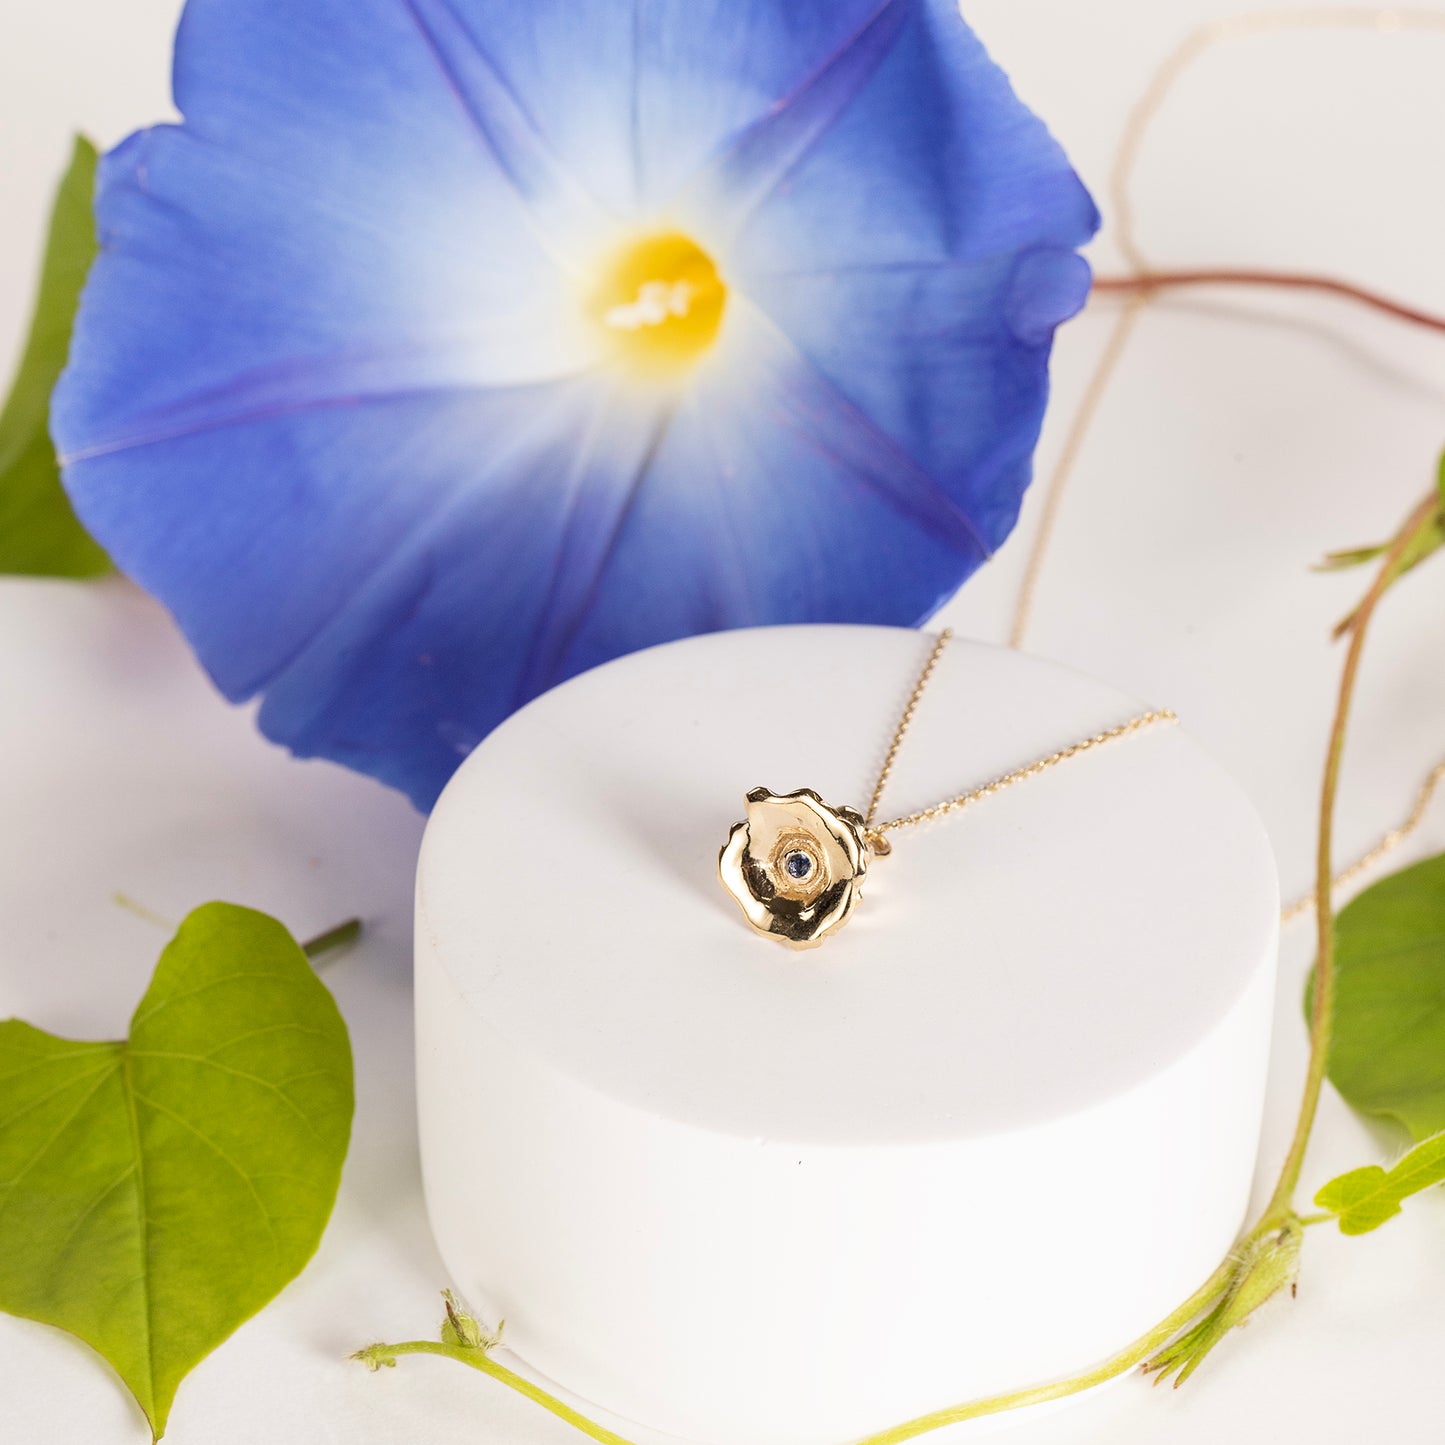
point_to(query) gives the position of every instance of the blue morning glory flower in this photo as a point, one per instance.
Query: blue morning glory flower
(450, 347)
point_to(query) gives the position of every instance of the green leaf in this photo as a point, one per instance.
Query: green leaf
(39, 533)
(1387, 1055)
(1365, 1198)
(1351, 557)
(1429, 540)
(1424, 543)
(156, 1192)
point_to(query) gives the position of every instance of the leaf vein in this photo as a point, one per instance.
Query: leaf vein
(34, 1104)
(221, 1154)
(210, 1063)
(49, 1059)
(143, 1237)
(10, 1185)
(274, 975)
(285, 1028)
(90, 1209)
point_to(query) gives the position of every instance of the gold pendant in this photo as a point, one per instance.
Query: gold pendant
(795, 865)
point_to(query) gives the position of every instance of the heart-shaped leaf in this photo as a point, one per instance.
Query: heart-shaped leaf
(156, 1192)
(1387, 1055)
(1365, 1198)
(38, 530)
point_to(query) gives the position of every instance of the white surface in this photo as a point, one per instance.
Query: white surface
(1243, 437)
(683, 1126)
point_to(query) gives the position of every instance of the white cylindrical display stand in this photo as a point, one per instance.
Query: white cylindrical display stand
(998, 1125)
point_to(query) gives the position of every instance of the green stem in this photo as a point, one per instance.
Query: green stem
(376, 1355)
(1323, 1012)
(1207, 1295)
(332, 939)
(1131, 1355)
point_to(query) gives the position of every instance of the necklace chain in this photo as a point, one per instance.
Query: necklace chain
(903, 724)
(875, 831)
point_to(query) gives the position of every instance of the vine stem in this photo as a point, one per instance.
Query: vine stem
(1147, 282)
(1209, 1293)
(1322, 1012)
(375, 1356)
(333, 938)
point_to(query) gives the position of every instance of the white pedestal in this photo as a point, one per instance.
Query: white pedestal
(1001, 1123)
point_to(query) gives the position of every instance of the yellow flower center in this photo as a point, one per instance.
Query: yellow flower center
(660, 302)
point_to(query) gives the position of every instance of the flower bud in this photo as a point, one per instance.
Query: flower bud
(1265, 1263)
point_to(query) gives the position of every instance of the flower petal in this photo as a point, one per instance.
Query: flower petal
(466, 618)
(396, 71)
(325, 227)
(335, 398)
(753, 164)
(935, 159)
(569, 219)
(770, 497)
(397, 652)
(948, 360)
(636, 97)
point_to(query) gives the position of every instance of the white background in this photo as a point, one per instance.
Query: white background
(1244, 436)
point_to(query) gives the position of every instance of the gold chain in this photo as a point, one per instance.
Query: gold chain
(875, 831)
(903, 724)
(1387, 844)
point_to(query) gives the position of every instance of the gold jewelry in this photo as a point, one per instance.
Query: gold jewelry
(795, 865)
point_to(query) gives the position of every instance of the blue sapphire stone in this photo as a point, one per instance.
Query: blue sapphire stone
(798, 865)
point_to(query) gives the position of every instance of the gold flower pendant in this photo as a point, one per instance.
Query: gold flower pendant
(795, 865)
